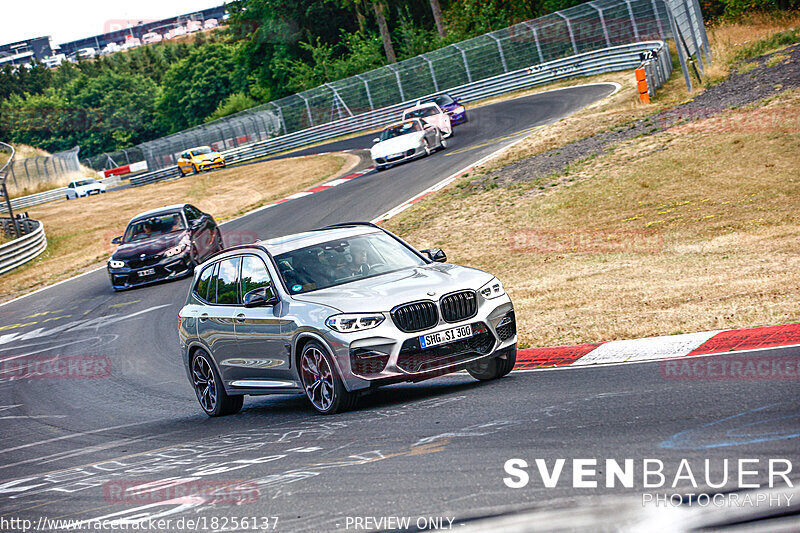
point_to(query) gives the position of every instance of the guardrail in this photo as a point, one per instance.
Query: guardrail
(47, 196)
(610, 59)
(19, 251)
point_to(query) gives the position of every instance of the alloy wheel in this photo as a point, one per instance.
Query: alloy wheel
(318, 379)
(205, 386)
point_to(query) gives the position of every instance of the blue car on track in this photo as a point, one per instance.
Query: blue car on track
(450, 105)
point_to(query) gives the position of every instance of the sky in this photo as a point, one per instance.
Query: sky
(68, 20)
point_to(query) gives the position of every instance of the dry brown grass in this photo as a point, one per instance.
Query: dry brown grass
(79, 231)
(727, 38)
(22, 185)
(720, 202)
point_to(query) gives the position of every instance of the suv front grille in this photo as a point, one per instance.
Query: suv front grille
(414, 359)
(459, 306)
(415, 316)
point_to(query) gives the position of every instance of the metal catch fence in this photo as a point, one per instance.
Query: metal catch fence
(615, 58)
(39, 172)
(587, 27)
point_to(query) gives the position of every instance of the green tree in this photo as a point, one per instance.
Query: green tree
(194, 86)
(234, 103)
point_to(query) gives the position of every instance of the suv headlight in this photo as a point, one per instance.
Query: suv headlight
(176, 250)
(116, 264)
(349, 322)
(493, 289)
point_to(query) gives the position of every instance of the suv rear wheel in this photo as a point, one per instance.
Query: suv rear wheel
(324, 389)
(208, 387)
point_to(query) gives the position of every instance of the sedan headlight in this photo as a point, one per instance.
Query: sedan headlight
(459, 109)
(493, 289)
(349, 322)
(176, 250)
(116, 264)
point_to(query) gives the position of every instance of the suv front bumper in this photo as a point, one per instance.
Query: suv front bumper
(385, 354)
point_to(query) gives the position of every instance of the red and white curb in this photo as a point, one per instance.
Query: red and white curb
(659, 348)
(320, 188)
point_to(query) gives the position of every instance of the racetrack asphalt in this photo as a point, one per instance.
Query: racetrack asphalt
(434, 449)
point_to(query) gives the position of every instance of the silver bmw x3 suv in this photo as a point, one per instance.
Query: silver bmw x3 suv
(335, 312)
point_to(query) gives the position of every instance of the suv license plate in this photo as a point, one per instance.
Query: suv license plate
(146, 272)
(448, 335)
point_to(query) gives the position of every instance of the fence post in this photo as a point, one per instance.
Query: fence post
(569, 29)
(280, 116)
(602, 21)
(308, 109)
(500, 49)
(633, 19)
(466, 64)
(693, 21)
(681, 57)
(433, 75)
(658, 21)
(530, 25)
(366, 88)
(702, 31)
(397, 77)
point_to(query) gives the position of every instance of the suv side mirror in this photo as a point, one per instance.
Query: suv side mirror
(436, 255)
(261, 297)
(116, 240)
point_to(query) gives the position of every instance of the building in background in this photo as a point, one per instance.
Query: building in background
(121, 35)
(27, 51)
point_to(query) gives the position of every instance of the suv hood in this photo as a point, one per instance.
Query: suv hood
(386, 291)
(149, 246)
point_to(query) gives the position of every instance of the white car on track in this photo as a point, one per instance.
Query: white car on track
(431, 113)
(404, 141)
(84, 187)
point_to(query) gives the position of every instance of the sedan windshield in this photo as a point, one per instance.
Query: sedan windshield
(423, 112)
(441, 100)
(344, 260)
(400, 129)
(146, 228)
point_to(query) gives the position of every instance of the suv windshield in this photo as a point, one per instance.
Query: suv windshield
(343, 260)
(441, 100)
(146, 228)
(400, 129)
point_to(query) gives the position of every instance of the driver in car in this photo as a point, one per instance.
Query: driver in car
(360, 266)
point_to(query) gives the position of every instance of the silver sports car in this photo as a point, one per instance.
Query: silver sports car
(335, 312)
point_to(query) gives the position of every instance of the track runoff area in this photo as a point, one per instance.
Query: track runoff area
(116, 439)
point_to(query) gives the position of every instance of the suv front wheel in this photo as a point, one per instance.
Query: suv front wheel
(324, 389)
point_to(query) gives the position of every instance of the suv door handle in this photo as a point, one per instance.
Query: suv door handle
(240, 317)
(203, 317)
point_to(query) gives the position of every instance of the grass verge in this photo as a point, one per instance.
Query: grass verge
(690, 229)
(79, 231)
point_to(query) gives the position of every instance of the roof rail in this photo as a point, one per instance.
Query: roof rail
(256, 244)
